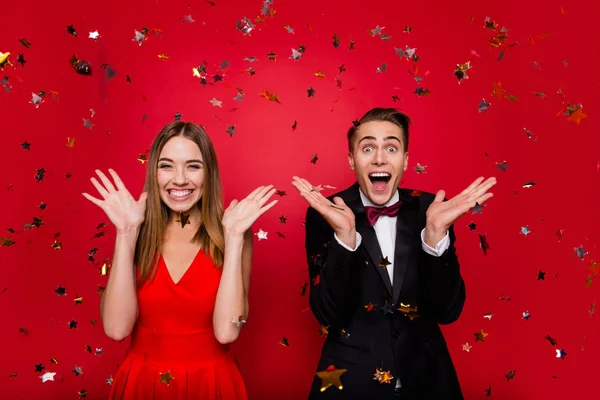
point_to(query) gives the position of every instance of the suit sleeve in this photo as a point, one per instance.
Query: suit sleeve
(332, 272)
(443, 285)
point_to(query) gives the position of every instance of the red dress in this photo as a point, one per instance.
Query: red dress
(173, 352)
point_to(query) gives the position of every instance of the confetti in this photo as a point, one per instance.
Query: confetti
(331, 377)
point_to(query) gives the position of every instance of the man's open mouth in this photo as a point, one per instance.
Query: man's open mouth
(380, 180)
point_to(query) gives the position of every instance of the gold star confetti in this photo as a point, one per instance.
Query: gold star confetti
(320, 75)
(78, 299)
(408, 311)
(184, 219)
(323, 330)
(384, 263)
(272, 56)
(163, 56)
(104, 270)
(57, 245)
(269, 96)
(466, 347)
(142, 158)
(70, 142)
(6, 242)
(480, 336)
(4, 59)
(331, 377)
(166, 378)
(284, 342)
(369, 307)
(382, 376)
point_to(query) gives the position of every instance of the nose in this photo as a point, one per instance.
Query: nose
(379, 158)
(180, 178)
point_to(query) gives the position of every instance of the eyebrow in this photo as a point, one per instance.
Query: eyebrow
(187, 162)
(384, 139)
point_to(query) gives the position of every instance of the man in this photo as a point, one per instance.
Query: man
(384, 272)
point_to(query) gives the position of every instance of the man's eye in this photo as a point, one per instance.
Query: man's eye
(392, 149)
(367, 149)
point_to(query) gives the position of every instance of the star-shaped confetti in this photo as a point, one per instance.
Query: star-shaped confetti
(461, 71)
(215, 102)
(94, 35)
(480, 336)
(384, 263)
(269, 96)
(466, 347)
(261, 234)
(382, 376)
(48, 376)
(580, 252)
(331, 377)
(166, 377)
(483, 106)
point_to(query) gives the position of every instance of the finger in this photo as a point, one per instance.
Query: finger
(94, 200)
(118, 181)
(143, 198)
(439, 196)
(107, 183)
(268, 207)
(485, 197)
(472, 186)
(233, 203)
(265, 197)
(483, 187)
(304, 184)
(254, 192)
(264, 191)
(100, 188)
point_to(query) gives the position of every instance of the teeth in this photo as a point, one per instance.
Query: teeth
(380, 174)
(179, 193)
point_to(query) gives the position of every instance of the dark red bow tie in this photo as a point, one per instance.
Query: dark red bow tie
(375, 212)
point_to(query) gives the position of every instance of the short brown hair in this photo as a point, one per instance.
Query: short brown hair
(381, 114)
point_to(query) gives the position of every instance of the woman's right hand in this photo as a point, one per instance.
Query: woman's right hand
(126, 213)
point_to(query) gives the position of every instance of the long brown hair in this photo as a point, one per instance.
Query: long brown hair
(210, 233)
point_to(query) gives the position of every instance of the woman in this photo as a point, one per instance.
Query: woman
(180, 272)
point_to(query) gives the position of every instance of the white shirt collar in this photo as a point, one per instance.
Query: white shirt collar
(368, 203)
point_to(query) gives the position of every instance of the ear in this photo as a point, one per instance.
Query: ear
(351, 161)
(406, 161)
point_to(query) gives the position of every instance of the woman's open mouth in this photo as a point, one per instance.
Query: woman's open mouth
(179, 194)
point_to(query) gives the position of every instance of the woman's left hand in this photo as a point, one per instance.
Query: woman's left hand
(240, 215)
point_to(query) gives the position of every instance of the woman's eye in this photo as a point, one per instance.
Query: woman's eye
(195, 166)
(164, 166)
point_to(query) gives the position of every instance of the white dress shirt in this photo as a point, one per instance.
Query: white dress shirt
(385, 229)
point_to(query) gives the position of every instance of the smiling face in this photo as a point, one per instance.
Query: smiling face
(378, 159)
(180, 175)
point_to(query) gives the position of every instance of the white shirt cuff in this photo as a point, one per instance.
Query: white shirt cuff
(440, 247)
(358, 241)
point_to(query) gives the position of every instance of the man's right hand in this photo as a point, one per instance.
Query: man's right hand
(337, 214)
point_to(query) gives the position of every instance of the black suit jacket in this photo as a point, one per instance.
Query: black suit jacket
(343, 283)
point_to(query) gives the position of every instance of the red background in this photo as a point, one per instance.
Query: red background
(449, 136)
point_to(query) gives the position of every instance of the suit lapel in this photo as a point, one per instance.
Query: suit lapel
(406, 224)
(369, 237)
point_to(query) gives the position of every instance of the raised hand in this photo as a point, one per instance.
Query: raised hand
(337, 214)
(122, 209)
(240, 215)
(442, 214)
